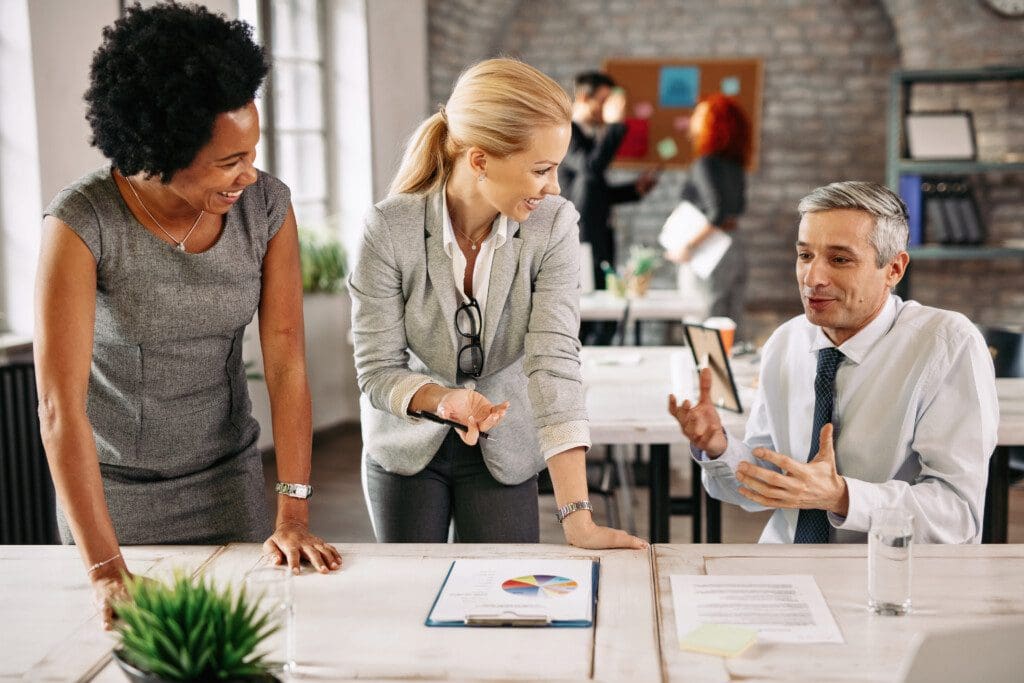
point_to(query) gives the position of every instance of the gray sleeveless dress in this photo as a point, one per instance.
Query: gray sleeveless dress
(168, 400)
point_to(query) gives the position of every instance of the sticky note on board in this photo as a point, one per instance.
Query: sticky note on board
(635, 141)
(730, 86)
(681, 123)
(643, 110)
(666, 148)
(718, 639)
(678, 86)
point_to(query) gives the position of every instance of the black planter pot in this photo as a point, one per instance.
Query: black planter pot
(137, 675)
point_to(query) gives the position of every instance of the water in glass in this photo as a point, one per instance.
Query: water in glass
(890, 543)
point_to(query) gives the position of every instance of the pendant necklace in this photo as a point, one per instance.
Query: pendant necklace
(180, 244)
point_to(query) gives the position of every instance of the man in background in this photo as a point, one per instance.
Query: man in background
(597, 131)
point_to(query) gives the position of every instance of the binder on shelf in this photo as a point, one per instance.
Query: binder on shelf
(910, 192)
(518, 592)
(950, 213)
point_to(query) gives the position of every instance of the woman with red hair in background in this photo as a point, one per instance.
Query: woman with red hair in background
(716, 185)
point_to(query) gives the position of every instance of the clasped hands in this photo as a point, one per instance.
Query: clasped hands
(814, 485)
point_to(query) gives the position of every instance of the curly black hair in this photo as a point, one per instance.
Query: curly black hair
(161, 77)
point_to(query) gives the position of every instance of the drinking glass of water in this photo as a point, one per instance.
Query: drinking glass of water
(890, 543)
(270, 589)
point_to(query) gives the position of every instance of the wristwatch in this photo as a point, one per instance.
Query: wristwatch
(566, 510)
(294, 490)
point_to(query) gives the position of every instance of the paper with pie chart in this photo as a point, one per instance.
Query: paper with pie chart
(561, 591)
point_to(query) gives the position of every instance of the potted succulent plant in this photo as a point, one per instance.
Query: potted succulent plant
(188, 630)
(323, 263)
(639, 269)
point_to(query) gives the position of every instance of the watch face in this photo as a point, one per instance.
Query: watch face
(1013, 9)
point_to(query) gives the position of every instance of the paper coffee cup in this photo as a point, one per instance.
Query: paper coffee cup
(727, 329)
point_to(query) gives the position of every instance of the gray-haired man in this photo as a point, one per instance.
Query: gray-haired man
(865, 401)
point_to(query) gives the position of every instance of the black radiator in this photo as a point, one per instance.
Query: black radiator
(27, 512)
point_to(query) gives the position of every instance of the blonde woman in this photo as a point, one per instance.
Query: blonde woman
(465, 308)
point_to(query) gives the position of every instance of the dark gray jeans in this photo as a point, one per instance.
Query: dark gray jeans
(455, 484)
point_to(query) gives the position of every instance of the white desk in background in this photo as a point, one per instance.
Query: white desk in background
(627, 400)
(657, 304)
(365, 622)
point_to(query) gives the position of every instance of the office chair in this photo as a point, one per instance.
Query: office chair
(1007, 349)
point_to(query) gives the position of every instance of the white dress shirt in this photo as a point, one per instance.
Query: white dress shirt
(915, 420)
(482, 269)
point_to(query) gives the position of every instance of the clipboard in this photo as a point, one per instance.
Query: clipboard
(709, 351)
(510, 616)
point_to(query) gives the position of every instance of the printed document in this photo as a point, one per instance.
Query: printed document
(783, 609)
(559, 591)
(682, 225)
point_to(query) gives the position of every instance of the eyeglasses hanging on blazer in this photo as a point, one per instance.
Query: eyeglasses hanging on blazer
(468, 323)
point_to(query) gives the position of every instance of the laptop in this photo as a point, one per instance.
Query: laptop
(992, 653)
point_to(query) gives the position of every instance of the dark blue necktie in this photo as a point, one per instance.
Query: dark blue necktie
(812, 525)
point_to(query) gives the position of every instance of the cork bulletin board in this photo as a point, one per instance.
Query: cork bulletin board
(661, 95)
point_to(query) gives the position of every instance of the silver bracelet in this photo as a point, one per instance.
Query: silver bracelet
(567, 510)
(100, 564)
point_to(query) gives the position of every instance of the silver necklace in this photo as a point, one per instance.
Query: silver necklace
(181, 244)
(472, 243)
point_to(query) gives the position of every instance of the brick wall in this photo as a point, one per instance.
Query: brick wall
(826, 69)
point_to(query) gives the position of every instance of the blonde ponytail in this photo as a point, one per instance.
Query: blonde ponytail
(426, 163)
(496, 105)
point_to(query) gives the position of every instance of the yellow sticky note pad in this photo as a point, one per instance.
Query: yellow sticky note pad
(719, 639)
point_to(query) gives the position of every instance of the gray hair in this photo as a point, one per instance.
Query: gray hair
(891, 231)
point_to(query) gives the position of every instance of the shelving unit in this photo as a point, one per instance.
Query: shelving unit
(900, 86)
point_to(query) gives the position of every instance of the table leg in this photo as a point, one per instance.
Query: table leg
(714, 523)
(658, 485)
(696, 495)
(997, 497)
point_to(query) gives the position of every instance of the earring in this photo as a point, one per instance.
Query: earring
(480, 178)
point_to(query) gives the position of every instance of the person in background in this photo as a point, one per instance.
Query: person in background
(150, 269)
(598, 112)
(864, 402)
(465, 308)
(716, 184)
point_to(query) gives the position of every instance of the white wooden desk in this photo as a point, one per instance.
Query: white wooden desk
(50, 630)
(365, 622)
(952, 586)
(657, 304)
(627, 400)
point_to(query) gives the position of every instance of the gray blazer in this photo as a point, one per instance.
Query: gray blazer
(403, 325)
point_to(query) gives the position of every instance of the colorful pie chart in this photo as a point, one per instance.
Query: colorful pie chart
(539, 585)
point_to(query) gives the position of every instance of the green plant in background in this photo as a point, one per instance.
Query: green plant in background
(642, 260)
(189, 630)
(323, 262)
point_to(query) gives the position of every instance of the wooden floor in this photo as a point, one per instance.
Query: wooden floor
(338, 508)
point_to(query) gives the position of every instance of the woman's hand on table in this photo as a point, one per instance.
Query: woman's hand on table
(292, 541)
(471, 409)
(109, 587)
(581, 531)
(108, 590)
